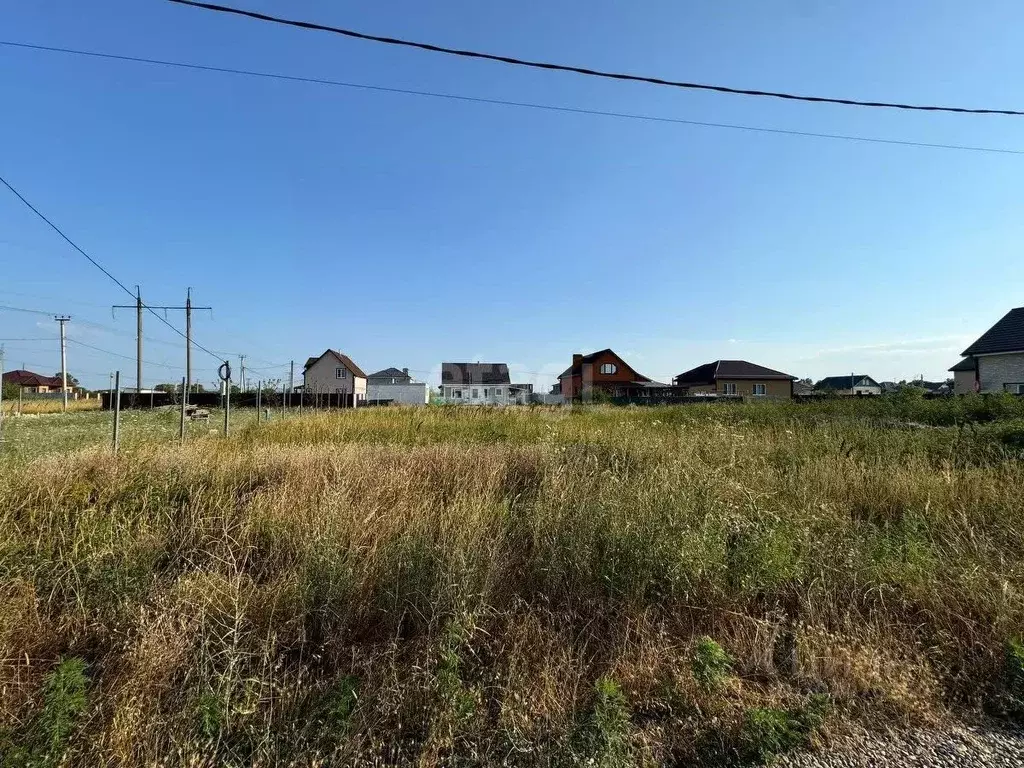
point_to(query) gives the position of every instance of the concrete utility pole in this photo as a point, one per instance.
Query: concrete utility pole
(139, 307)
(62, 319)
(1, 393)
(241, 365)
(291, 383)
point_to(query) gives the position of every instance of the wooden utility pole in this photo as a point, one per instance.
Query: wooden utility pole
(62, 319)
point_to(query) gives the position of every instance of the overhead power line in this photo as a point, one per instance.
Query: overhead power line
(505, 102)
(96, 264)
(582, 70)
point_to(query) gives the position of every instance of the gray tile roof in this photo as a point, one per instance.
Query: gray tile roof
(1005, 336)
(845, 382)
(474, 373)
(967, 364)
(728, 369)
(389, 373)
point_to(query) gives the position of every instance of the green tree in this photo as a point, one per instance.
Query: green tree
(72, 381)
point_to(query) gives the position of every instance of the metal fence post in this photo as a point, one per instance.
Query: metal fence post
(181, 430)
(259, 400)
(117, 410)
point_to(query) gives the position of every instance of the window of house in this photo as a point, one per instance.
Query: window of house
(497, 391)
(340, 373)
(1016, 388)
(729, 389)
(609, 368)
(487, 392)
(759, 389)
(457, 393)
(476, 393)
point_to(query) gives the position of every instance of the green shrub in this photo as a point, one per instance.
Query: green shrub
(65, 697)
(603, 738)
(710, 664)
(768, 733)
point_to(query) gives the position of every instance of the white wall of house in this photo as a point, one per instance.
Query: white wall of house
(328, 374)
(1001, 373)
(476, 394)
(406, 394)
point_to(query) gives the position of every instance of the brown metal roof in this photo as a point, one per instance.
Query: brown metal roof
(22, 378)
(576, 369)
(343, 359)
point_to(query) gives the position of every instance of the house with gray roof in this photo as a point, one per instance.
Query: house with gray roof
(850, 384)
(998, 358)
(735, 377)
(476, 384)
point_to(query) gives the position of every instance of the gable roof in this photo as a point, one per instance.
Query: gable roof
(844, 382)
(729, 369)
(474, 373)
(390, 373)
(343, 359)
(23, 378)
(1005, 336)
(576, 369)
(967, 364)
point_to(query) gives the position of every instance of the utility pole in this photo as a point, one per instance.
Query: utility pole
(63, 319)
(291, 383)
(188, 342)
(1, 393)
(241, 364)
(139, 306)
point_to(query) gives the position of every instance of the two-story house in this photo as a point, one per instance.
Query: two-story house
(395, 387)
(604, 371)
(333, 373)
(476, 384)
(995, 362)
(736, 377)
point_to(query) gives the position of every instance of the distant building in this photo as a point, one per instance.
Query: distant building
(333, 373)
(604, 371)
(998, 356)
(735, 377)
(390, 376)
(852, 384)
(395, 387)
(476, 384)
(35, 382)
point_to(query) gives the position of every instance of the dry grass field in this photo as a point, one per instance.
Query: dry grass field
(442, 586)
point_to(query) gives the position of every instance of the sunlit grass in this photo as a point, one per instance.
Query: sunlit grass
(521, 586)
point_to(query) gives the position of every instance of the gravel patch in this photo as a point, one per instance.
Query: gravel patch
(957, 747)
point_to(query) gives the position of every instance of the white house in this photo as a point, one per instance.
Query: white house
(851, 384)
(476, 384)
(998, 358)
(334, 374)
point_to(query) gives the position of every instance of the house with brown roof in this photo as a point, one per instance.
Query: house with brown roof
(34, 382)
(735, 377)
(476, 384)
(995, 362)
(333, 373)
(604, 371)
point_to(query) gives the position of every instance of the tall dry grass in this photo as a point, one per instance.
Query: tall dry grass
(522, 587)
(37, 406)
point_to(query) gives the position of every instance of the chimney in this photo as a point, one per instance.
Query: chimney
(405, 371)
(576, 360)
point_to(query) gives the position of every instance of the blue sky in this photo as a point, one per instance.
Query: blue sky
(406, 230)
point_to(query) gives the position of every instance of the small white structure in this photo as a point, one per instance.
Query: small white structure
(333, 373)
(476, 384)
